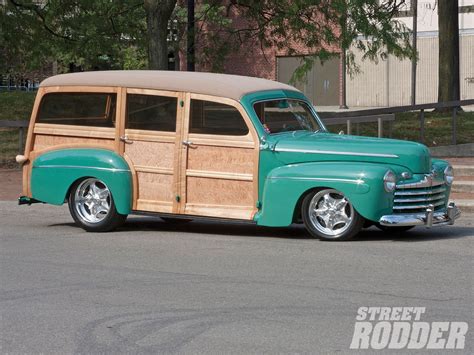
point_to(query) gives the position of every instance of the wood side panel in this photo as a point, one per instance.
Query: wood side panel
(74, 131)
(152, 154)
(235, 212)
(154, 206)
(220, 175)
(183, 153)
(219, 192)
(26, 184)
(80, 89)
(42, 142)
(120, 120)
(221, 171)
(150, 136)
(155, 187)
(222, 159)
(152, 92)
(134, 181)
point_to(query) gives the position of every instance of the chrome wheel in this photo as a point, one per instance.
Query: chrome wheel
(92, 200)
(330, 213)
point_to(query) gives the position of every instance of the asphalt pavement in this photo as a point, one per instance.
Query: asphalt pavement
(213, 287)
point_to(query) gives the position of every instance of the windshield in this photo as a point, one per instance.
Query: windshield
(285, 115)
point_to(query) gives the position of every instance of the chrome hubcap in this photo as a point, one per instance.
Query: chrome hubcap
(92, 200)
(330, 212)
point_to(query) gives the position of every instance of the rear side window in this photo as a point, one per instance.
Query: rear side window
(214, 118)
(153, 113)
(79, 109)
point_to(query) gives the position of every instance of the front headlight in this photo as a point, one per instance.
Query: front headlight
(449, 175)
(389, 181)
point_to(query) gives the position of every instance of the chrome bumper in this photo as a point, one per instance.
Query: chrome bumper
(428, 219)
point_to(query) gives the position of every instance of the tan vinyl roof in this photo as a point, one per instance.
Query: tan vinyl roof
(232, 86)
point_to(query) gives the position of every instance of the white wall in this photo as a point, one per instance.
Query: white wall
(428, 16)
(388, 83)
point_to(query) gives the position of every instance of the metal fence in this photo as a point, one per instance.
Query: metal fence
(349, 118)
(7, 84)
(381, 115)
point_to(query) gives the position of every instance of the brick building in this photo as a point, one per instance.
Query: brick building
(384, 84)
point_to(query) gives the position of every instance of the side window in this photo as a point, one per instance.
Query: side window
(79, 109)
(214, 118)
(152, 113)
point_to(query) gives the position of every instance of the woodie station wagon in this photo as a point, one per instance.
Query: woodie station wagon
(184, 145)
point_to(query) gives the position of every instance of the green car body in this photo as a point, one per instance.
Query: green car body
(291, 164)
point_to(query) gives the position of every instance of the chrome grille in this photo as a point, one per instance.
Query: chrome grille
(417, 197)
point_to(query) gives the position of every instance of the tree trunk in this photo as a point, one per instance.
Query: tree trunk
(158, 14)
(448, 22)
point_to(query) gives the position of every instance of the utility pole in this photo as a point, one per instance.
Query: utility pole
(190, 53)
(343, 62)
(414, 5)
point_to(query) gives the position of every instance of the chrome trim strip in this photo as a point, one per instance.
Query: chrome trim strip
(414, 207)
(415, 193)
(81, 167)
(335, 153)
(422, 218)
(422, 199)
(359, 181)
(428, 181)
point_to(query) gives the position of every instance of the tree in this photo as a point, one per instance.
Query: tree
(448, 67)
(99, 34)
(325, 27)
(158, 14)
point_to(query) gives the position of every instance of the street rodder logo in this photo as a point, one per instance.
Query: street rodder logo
(401, 328)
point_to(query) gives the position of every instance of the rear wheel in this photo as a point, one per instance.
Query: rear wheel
(329, 215)
(92, 206)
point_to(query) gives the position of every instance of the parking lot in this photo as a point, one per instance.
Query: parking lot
(215, 287)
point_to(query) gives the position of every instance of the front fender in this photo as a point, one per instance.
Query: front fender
(54, 172)
(361, 183)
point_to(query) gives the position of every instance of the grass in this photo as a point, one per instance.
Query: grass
(18, 106)
(407, 127)
(13, 106)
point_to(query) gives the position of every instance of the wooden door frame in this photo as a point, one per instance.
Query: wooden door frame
(151, 136)
(249, 141)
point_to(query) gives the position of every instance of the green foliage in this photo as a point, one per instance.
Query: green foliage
(93, 34)
(106, 34)
(324, 26)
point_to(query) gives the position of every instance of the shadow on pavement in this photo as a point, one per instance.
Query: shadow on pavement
(137, 224)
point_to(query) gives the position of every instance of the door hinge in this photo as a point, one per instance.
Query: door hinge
(181, 103)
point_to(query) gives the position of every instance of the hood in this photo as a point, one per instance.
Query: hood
(301, 146)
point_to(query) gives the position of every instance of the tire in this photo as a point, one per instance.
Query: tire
(394, 230)
(329, 215)
(92, 206)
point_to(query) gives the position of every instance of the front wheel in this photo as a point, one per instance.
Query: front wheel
(92, 206)
(329, 215)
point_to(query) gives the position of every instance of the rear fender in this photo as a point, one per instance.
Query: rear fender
(54, 172)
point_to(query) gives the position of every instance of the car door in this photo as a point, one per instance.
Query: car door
(219, 159)
(150, 139)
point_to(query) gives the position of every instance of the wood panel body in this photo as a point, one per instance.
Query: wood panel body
(152, 155)
(217, 176)
(218, 172)
(44, 137)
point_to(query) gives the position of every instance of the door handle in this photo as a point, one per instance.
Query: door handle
(187, 143)
(125, 139)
